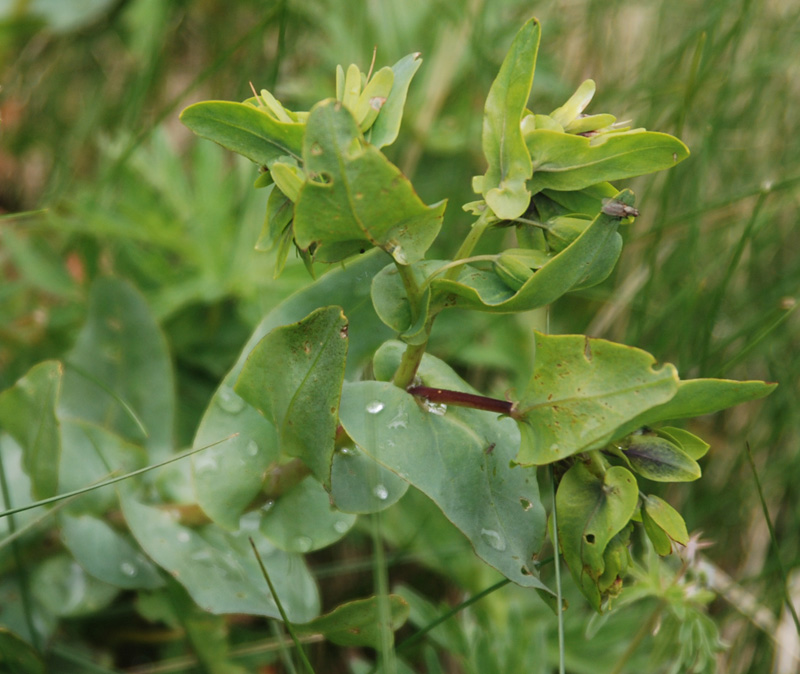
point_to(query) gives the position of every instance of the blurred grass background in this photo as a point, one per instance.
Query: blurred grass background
(709, 276)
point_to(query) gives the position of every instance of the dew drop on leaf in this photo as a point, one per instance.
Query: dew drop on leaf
(439, 409)
(341, 526)
(381, 492)
(252, 448)
(229, 401)
(128, 569)
(303, 543)
(375, 406)
(183, 537)
(494, 539)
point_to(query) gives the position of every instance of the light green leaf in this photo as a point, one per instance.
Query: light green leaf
(696, 397)
(357, 623)
(661, 542)
(567, 113)
(119, 373)
(355, 198)
(385, 129)
(246, 130)
(360, 485)
(696, 448)
(458, 457)
(107, 554)
(572, 267)
(564, 161)
(304, 520)
(279, 213)
(503, 185)
(591, 511)
(229, 476)
(28, 413)
(666, 518)
(588, 201)
(390, 299)
(659, 460)
(581, 391)
(294, 378)
(372, 98)
(219, 569)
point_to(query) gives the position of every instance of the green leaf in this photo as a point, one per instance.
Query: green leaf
(503, 185)
(696, 448)
(119, 373)
(572, 267)
(581, 391)
(567, 113)
(458, 457)
(64, 589)
(294, 377)
(219, 569)
(357, 623)
(386, 127)
(360, 485)
(246, 130)
(355, 198)
(588, 201)
(230, 475)
(666, 518)
(28, 413)
(564, 161)
(696, 397)
(659, 460)
(18, 656)
(661, 542)
(390, 299)
(107, 554)
(591, 511)
(304, 520)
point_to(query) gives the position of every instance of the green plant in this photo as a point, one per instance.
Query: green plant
(296, 425)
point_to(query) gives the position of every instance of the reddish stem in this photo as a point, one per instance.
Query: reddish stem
(461, 399)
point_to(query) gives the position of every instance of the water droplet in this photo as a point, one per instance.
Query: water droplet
(268, 505)
(375, 406)
(526, 504)
(252, 448)
(128, 569)
(494, 539)
(205, 463)
(184, 537)
(250, 521)
(554, 447)
(400, 420)
(303, 543)
(439, 409)
(381, 492)
(341, 526)
(400, 255)
(347, 451)
(229, 401)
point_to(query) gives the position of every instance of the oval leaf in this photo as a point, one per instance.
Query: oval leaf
(386, 127)
(696, 448)
(666, 518)
(591, 511)
(355, 197)
(660, 460)
(581, 391)
(28, 413)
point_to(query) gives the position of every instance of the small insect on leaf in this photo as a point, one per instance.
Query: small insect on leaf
(619, 210)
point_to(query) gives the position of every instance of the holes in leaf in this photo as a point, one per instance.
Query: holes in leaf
(322, 178)
(590, 539)
(316, 149)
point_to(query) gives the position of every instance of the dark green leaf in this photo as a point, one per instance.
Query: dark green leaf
(581, 391)
(591, 511)
(294, 377)
(28, 413)
(246, 130)
(503, 186)
(357, 623)
(355, 198)
(17, 656)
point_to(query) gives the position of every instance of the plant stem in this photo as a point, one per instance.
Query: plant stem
(596, 463)
(412, 357)
(412, 289)
(557, 566)
(461, 399)
(486, 219)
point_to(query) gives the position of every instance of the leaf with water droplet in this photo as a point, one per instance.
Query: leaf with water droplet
(445, 457)
(355, 197)
(581, 391)
(294, 377)
(319, 525)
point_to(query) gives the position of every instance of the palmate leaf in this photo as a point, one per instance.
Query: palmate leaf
(355, 198)
(503, 186)
(581, 391)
